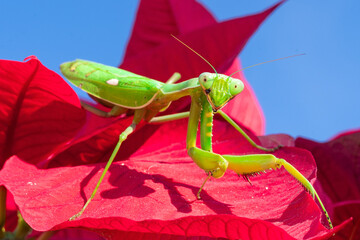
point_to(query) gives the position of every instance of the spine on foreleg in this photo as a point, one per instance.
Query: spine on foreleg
(206, 125)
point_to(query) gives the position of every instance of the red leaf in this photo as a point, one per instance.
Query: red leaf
(339, 175)
(153, 192)
(39, 111)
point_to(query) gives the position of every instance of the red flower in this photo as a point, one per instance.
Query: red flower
(151, 192)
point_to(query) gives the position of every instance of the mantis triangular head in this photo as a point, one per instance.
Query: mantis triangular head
(219, 89)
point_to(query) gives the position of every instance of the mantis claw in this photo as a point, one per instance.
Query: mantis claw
(277, 147)
(74, 217)
(269, 149)
(77, 215)
(198, 196)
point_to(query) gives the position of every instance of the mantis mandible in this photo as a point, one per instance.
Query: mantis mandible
(125, 91)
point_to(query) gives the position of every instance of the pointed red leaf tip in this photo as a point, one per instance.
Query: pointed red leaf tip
(153, 193)
(30, 57)
(39, 110)
(152, 52)
(339, 175)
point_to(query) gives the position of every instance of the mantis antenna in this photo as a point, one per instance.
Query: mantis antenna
(195, 53)
(296, 55)
(274, 60)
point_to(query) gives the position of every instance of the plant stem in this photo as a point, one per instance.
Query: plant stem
(2, 211)
(22, 228)
(45, 235)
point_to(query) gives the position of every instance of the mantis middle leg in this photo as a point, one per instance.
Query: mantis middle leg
(176, 116)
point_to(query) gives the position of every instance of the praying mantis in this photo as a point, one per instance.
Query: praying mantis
(128, 92)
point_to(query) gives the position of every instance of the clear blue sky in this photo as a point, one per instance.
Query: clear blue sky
(315, 96)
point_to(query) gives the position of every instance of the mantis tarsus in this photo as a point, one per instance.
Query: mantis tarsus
(125, 91)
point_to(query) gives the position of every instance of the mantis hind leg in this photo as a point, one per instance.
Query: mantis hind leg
(137, 118)
(255, 163)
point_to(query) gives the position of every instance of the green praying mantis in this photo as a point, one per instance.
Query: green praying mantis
(127, 92)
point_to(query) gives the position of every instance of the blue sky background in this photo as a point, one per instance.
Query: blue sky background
(315, 96)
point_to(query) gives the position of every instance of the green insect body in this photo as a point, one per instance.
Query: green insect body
(114, 85)
(145, 98)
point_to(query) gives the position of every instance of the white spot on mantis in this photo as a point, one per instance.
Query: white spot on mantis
(113, 82)
(266, 188)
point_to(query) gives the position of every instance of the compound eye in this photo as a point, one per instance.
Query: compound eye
(236, 86)
(205, 80)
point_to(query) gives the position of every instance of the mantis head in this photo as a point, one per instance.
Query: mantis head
(219, 89)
